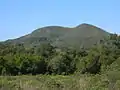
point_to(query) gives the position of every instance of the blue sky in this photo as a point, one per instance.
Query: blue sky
(20, 17)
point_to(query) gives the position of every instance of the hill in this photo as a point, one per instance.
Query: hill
(96, 68)
(79, 36)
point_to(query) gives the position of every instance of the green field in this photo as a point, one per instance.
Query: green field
(58, 82)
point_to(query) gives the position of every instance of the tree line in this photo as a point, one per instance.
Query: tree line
(17, 59)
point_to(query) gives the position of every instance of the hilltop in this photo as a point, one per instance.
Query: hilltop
(82, 35)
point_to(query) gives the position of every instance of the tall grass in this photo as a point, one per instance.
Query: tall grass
(58, 82)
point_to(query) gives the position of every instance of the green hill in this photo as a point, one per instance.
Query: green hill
(79, 36)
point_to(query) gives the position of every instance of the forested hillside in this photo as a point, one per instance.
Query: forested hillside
(16, 59)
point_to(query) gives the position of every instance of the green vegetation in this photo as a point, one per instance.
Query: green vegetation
(49, 67)
(60, 82)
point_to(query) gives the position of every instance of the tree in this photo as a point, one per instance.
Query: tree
(62, 63)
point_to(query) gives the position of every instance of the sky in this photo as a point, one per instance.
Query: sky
(20, 17)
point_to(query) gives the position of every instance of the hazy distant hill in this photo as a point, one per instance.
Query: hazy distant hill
(81, 35)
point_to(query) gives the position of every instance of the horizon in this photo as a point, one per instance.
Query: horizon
(19, 18)
(58, 26)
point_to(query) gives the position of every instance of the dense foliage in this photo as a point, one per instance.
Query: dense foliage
(17, 59)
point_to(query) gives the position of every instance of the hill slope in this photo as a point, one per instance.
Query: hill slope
(82, 35)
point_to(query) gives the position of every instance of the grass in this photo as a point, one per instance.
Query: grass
(58, 82)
